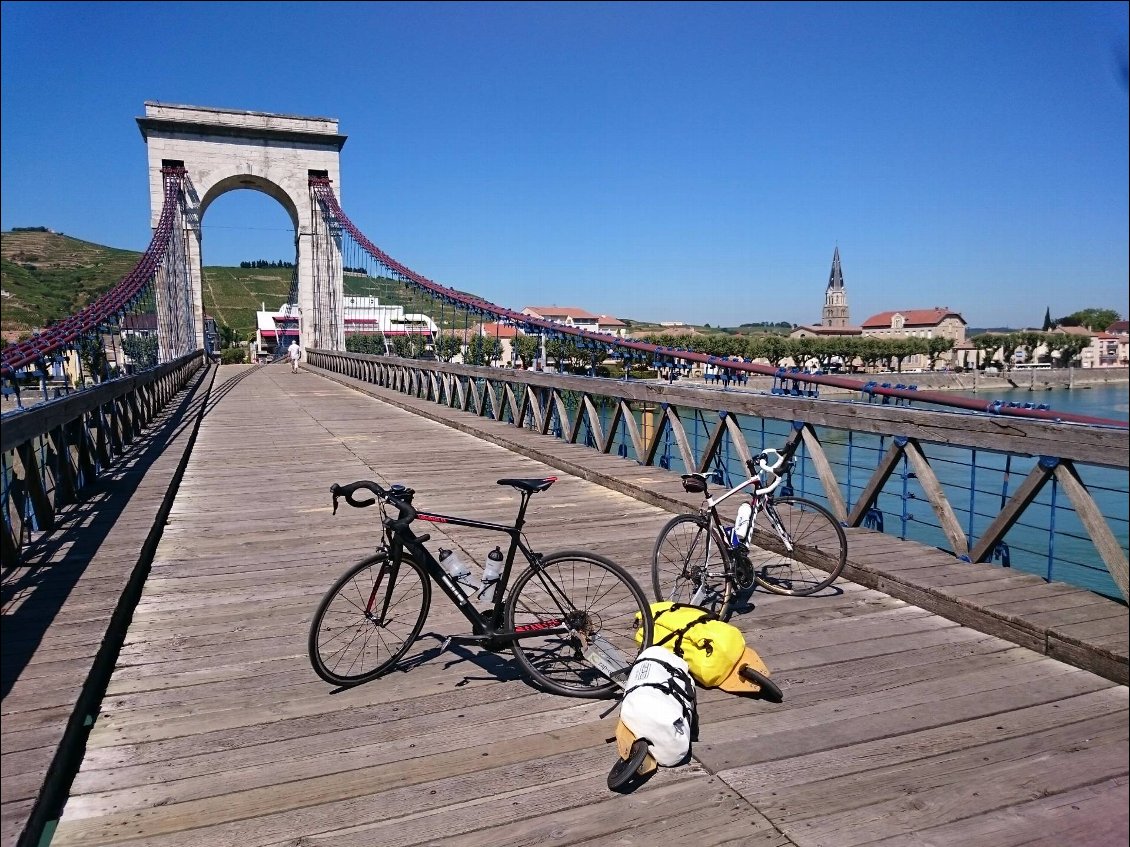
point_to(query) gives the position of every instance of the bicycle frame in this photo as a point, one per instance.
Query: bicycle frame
(573, 618)
(761, 502)
(761, 499)
(484, 628)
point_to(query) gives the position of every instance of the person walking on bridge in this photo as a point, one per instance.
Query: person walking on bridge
(295, 353)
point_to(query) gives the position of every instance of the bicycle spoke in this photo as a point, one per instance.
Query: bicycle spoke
(594, 598)
(804, 551)
(690, 566)
(349, 644)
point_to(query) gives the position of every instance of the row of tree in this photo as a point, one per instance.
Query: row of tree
(778, 351)
(263, 263)
(879, 352)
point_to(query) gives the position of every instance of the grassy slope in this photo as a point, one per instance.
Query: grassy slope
(233, 295)
(46, 276)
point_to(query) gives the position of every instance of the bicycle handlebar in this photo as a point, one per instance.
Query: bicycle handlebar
(347, 491)
(759, 464)
(399, 497)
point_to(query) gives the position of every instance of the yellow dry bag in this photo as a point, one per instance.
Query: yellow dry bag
(711, 648)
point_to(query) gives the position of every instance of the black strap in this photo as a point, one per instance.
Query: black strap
(685, 694)
(678, 634)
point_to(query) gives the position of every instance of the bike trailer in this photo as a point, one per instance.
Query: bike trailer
(715, 652)
(658, 716)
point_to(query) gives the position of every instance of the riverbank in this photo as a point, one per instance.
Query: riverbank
(970, 382)
(1026, 379)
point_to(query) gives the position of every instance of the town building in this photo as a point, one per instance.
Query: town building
(1108, 349)
(835, 312)
(936, 322)
(579, 318)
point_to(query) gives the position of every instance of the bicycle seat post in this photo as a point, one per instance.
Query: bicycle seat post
(521, 519)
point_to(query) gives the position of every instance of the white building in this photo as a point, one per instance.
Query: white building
(365, 315)
(362, 315)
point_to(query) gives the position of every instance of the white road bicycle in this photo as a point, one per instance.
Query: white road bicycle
(786, 545)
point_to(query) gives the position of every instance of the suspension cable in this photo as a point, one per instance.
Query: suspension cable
(323, 190)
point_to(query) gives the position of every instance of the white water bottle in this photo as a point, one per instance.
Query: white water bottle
(457, 569)
(491, 572)
(742, 525)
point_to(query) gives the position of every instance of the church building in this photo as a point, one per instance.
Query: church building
(835, 318)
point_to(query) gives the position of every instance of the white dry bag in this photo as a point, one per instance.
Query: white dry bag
(659, 705)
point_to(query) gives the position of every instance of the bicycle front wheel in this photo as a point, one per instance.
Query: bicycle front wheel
(567, 601)
(690, 564)
(818, 548)
(369, 618)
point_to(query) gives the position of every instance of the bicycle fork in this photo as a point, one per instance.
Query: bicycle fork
(779, 527)
(702, 577)
(387, 569)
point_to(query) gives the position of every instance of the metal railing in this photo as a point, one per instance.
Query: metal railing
(52, 451)
(1044, 497)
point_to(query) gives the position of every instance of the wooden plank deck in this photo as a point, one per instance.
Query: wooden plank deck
(899, 726)
(1056, 619)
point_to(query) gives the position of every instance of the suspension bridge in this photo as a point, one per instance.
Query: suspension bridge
(161, 565)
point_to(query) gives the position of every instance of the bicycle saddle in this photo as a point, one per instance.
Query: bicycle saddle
(694, 483)
(530, 486)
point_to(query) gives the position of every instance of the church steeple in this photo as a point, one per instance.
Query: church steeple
(835, 311)
(836, 277)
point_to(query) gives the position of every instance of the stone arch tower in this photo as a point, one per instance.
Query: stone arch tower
(227, 150)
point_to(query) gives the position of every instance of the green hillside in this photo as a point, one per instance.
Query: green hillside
(233, 295)
(46, 276)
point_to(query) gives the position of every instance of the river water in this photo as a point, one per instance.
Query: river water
(1102, 401)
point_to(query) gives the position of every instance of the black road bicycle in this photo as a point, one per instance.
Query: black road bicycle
(560, 612)
(800, 550)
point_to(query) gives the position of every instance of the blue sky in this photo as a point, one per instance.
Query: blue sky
(657, 161)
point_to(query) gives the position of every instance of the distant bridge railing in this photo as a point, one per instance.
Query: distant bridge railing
(52, 451)
(1044, 497)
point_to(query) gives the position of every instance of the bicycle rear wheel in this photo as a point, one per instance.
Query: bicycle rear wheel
(569, 599)
(819, 548)
(367, 621)
(690, 564)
